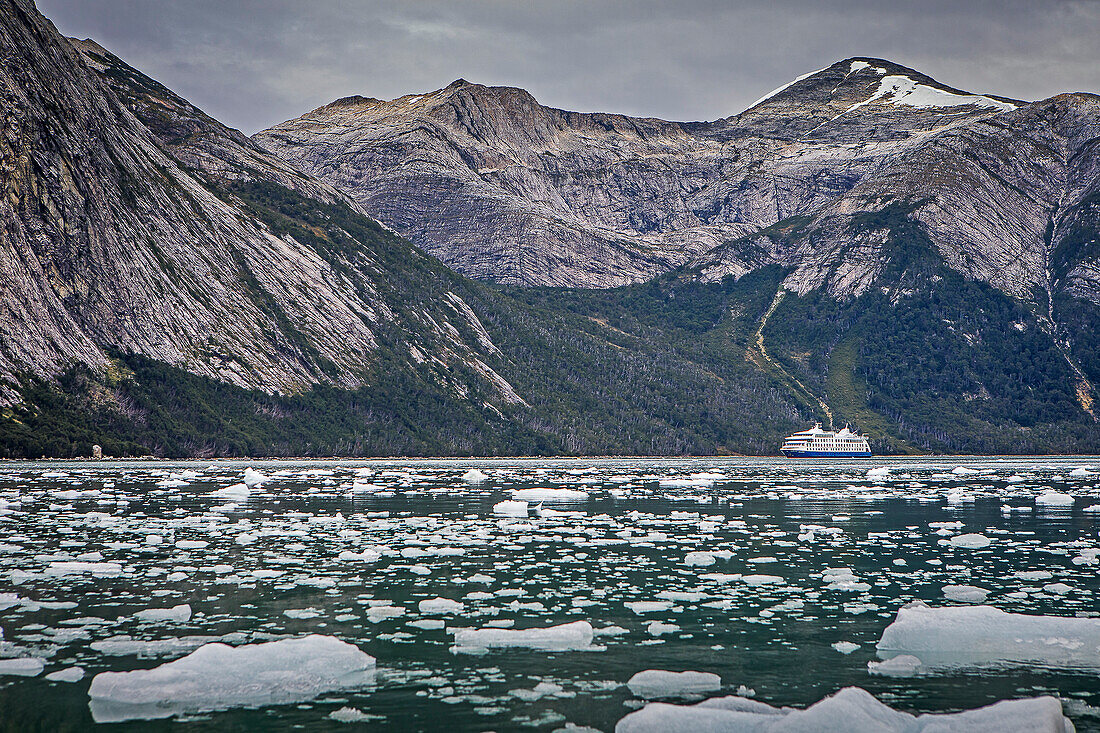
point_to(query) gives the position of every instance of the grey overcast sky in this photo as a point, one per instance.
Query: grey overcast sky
(253, 63)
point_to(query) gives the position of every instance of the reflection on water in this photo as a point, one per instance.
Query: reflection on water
(752, 569)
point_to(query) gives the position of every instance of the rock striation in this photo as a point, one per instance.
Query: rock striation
(119, 231)
(504, 189)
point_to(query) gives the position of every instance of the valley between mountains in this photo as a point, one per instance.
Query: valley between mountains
(468, 272)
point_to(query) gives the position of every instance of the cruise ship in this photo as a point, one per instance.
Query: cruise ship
(818, 443)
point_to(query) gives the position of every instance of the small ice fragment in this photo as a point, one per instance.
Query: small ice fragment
(474, 476)
(972, 541)
(253, 478)
(576, 636)
(965, 593)
(349, 715)
(1054, 499)
(428, 623)
(179, 613)
(878, 472)
(192, 544)
(511, 508)
(440, 606)
(550, 495)
(699, 559)
(21, 666)
(902, 665)
(640, 607)
(1057, 588)
(657, 683)
(762, 580)
(845, 647)
(70, 674)
(658, 628)
(236, 492)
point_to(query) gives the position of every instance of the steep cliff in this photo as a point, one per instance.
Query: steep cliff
(122, 231)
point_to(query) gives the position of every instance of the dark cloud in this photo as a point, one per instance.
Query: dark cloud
(252, 63)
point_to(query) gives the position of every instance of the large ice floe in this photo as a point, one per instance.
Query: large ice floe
(657, 683)
(983, 636)
(852, 710)
(576, 636)
(218, 676)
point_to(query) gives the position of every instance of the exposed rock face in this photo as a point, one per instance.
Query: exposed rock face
(998, 196)
(504, 189)
(114, 234)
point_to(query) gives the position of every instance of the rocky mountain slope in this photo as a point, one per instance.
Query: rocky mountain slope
(121, 231)
(502, 188)
(818, 177)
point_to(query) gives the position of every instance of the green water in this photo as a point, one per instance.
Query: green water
(626, 542)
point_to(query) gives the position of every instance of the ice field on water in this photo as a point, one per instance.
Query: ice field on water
(547, 594)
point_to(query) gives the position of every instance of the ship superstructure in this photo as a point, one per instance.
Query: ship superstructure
(818, 443)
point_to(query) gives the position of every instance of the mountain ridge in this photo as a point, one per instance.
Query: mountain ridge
(598, 199)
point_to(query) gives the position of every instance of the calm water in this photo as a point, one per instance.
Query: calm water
(439, 537)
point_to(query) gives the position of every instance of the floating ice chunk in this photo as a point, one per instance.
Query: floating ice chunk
(218, 676)
(878, 472)
(70, 674)
(179, 613)
(474, 476)
(121, 646)
(511, 508)
(301, 613)
(762, 580)
(963, 471)
(367, 555)
(576, 636)
(376, 614)
(364, 487)
(428, 623)
(640, 607)
(1033, 574)
(659, 628)
(699, 559)
(610, 631)
(852, 710)
(656, 683)
(349, 715)
(845, 647)
(1078, 472)
(440, 606)
(192, 544)
(236, 492)
(1057, 588)
(550, 495)
(74, 567)
(982, 636)
(684, 483)
(1054, 499)
(965, 593)
(972, 541)
(22, 666)
(253, 478)
(903, 665)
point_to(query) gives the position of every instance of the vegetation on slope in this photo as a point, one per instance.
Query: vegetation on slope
(929, 362)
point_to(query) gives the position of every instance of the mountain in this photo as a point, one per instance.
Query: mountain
(504, 189)
(170, 286)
